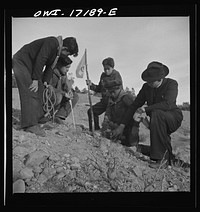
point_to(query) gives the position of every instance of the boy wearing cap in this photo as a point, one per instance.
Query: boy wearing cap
(118, 104)
(28, 64)
(160, 93)
(109, 76)
(62, 87)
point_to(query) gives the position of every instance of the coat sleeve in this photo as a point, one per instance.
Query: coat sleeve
(54, 81)
(169, 99)
(97, 88)
(45, 52)
(47, 74)
(138, 102)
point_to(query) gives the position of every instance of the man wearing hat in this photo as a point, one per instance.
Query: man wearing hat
(109, 76)
(62, 86)
(28, 64)
(118, 104)
(160, 93)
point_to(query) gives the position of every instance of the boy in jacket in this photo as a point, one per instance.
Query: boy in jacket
(28, 64)
(118, 104)
(62, 87)
(160, 93)
(110, 75)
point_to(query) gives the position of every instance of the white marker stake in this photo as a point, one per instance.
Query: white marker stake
(70, 101)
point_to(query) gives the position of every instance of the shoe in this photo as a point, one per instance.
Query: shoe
(47, 126)
(144, 149)
(159, 164)
(36, 129)
(133, 144)
(61, 117)
(43, 120)
(58, 120)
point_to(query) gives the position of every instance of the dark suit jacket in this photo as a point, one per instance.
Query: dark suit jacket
(37, 54)
(162, 98)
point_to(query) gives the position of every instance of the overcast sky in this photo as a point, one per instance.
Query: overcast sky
(133, 42)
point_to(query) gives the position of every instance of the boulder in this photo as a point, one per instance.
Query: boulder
(35, 158)
(60, 175)
(19, 186)
(49, 172)
(26, 173)
(20, 151)
(37, 169)
(17, 167)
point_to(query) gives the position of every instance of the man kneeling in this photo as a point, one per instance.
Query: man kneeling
(160, 94)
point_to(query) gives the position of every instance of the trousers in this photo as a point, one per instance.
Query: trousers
(30, 101)
(98, 109)
(162, 124)
(131, 135)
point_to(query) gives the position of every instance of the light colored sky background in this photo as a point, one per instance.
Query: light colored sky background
(133, 42)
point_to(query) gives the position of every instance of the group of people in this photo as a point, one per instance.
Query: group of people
(156, 99)
(40, 64)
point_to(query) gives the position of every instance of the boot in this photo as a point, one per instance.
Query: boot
(43, 120)
(162, 164)
(58, 120)
(36, 129)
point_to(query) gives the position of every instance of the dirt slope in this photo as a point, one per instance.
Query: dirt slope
(71, 160)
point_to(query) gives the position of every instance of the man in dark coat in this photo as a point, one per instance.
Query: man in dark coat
(109, 75)
(160, 93)
(118, 104)
(28, 64)
(62, 86)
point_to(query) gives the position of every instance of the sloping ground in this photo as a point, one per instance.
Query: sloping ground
(69, 160)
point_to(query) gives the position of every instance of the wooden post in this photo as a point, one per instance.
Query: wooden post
(89, 96)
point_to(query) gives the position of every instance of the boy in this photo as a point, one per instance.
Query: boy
(28, 64)
(63, 90)
(160, 93)
(109, 76)
(118, 104)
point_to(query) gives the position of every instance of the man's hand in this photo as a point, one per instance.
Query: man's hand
(46, 85)
(117, 133)
(34, 86)
(69, 95)
(137, 116)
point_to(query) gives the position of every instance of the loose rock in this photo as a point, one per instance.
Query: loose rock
(19, 186)
(26, 173)
(36, 158)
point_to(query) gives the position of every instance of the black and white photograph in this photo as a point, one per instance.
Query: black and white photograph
(101, 102)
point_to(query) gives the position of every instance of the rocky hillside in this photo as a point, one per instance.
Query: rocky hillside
(71, 160)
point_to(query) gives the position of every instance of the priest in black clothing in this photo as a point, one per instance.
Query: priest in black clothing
(160, 94)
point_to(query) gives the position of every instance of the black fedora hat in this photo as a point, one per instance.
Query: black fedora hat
(155, 71)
